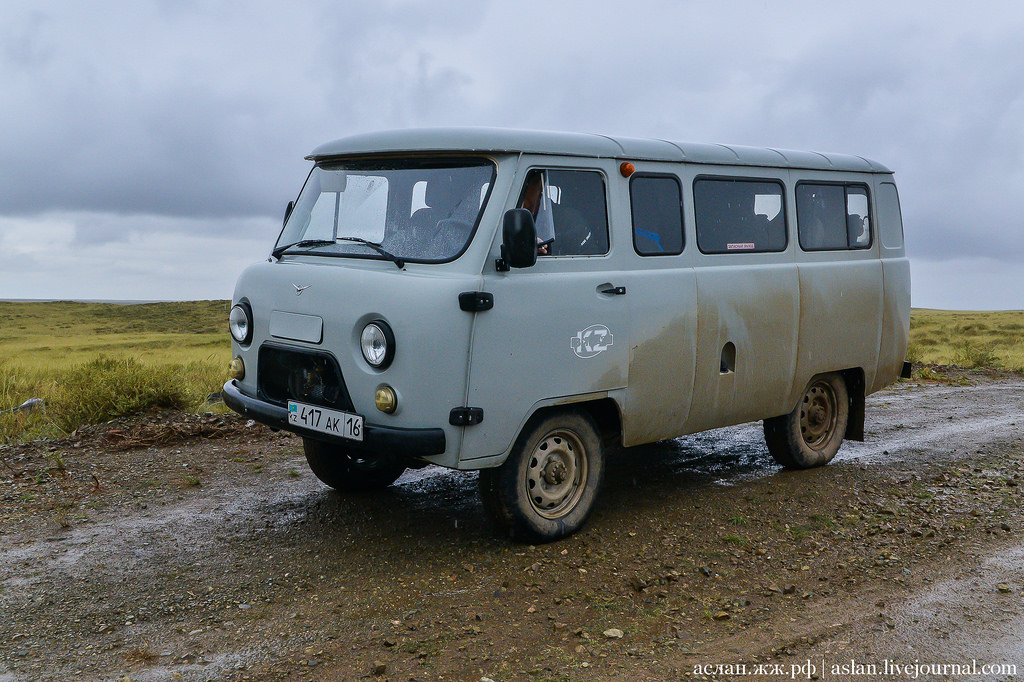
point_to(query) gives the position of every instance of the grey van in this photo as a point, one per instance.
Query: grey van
(518, 302)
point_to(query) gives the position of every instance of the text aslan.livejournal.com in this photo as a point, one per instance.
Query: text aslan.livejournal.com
(809, 669)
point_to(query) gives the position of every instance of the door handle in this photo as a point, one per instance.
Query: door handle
(611, 290)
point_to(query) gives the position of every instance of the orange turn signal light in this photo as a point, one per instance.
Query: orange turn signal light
(627, 169)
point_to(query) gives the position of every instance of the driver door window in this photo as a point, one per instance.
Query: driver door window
(578, 211)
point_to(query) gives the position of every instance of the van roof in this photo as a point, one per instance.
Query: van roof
(585, 144)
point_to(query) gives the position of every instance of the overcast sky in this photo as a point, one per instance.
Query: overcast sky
(147, 149)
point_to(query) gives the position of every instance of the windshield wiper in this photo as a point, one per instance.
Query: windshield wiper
(276, 253)
(376, 247)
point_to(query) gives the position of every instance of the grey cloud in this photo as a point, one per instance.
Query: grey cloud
(95, 229)
(186, 118)
(188, 151)
(385, 73)
(23, 44)
(946, 119)
(183, 141)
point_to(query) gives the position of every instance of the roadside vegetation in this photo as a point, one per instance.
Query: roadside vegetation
(968, 339)
(92, 362)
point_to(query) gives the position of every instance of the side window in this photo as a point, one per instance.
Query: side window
(570, 210)
(832, 217)
(739, 215)
(656, 205)
(889, 217)
(858, 218)
(821, 217)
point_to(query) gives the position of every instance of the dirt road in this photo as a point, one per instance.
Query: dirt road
(195, 548)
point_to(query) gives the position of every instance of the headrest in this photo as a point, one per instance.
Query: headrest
(439, 192)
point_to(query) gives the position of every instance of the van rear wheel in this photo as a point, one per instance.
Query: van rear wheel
(811, 434)
(546, 488)
(349, 471)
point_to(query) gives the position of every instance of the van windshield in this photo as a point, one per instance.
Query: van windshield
(404, 210)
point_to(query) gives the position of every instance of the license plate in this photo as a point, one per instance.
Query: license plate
(334, 422)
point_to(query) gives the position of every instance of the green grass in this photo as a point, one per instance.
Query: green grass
(62, 334)
(92, 362)
(735, 539)
(739, 520)
(974, 340)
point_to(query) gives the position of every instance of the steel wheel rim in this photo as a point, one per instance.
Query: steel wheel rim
(818, 415)
(556, 474)
(367, 464)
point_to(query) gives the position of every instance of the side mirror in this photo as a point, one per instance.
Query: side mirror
(287, 212)
(519, 240)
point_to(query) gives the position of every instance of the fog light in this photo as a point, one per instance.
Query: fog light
(385, 399)
(237, 369)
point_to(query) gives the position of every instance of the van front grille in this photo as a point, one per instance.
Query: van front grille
(284, 374)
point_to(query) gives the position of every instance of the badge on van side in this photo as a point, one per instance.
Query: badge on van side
(591, 341)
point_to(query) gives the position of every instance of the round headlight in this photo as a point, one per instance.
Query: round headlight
(378, 344)
(240, 323)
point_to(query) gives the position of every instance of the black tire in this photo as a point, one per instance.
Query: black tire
(546, 488)
(811, 434)
(350, 471)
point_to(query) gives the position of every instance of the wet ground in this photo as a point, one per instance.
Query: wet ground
(217, 555)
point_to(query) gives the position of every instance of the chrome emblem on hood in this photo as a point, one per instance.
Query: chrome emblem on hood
(299, 290)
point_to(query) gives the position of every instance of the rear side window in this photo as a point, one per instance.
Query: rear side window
(832, 217)
(889, 216)
(739, 215)
(656, 202)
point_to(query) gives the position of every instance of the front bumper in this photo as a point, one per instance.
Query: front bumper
(394, 441)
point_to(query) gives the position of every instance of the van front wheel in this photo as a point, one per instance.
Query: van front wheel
(348, 471)
(546, 488)
(811, 434)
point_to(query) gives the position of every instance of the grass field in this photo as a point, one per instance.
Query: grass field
(91, 362)
(46, 336)
(969, 339)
